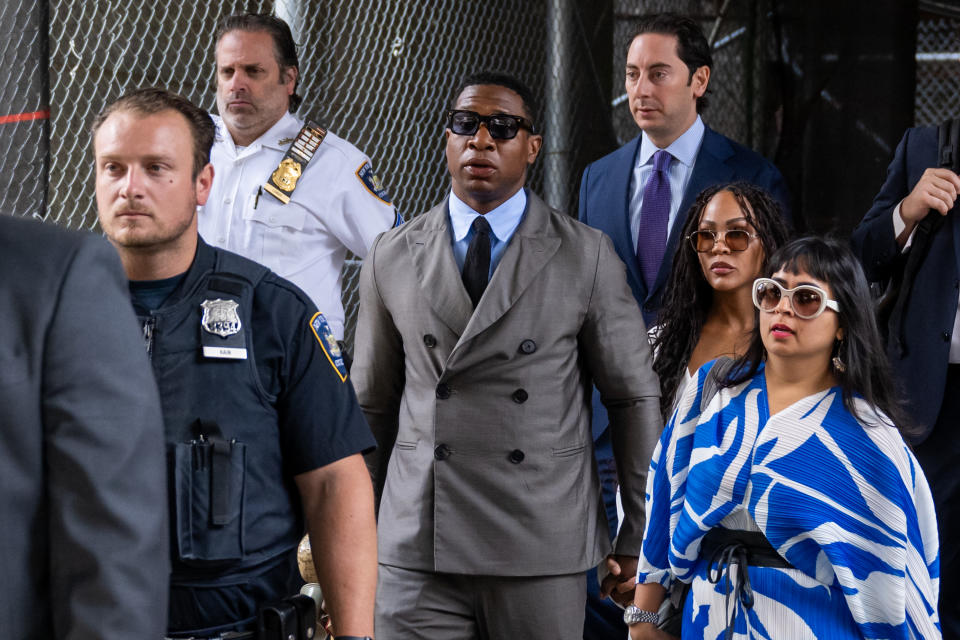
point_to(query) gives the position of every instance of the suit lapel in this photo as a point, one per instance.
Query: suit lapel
(530, 249)
(623, 239)
(432, 254)
(710, 168)
(955, 223)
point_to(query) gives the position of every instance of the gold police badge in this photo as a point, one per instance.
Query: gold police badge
(287, 174)
(284, 178)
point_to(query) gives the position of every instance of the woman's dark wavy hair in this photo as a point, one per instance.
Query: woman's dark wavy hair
(688, 296)
(868, 373)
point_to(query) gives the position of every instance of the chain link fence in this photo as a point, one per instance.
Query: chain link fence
(937, 95)
(381, 74)
(743, 47)
(23, 114)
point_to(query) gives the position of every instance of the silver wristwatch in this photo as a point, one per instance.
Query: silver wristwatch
(634, 615)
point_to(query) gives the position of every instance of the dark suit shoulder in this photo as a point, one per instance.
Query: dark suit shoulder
(744, 158)
(617, 157)
(35, 255)
(921, 145)
(924, 133)
(23, 239)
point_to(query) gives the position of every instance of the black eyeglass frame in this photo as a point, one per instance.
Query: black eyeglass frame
(825, 301)
(519, 121)
(692, 238)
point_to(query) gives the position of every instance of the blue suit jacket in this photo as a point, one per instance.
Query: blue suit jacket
(605, 201)
(605, 205)
(928, 320)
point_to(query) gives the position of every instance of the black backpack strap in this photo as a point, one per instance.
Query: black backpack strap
(948, 154)
(949, 144)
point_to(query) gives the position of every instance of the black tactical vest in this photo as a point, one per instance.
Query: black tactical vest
(232, 507)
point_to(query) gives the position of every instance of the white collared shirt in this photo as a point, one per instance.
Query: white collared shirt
(332, 210)
(503, 220)
(684, 150)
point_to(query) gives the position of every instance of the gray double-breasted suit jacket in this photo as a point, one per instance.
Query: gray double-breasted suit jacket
(482, 417)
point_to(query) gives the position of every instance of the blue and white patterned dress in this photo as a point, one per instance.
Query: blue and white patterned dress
(846, 504)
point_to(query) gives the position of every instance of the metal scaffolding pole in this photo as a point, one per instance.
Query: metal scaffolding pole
(557, 127)
(289, 11)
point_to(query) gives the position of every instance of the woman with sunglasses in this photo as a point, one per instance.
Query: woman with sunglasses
(790, 503)
(730, 232)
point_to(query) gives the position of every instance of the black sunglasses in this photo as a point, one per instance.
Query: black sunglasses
(500, 126)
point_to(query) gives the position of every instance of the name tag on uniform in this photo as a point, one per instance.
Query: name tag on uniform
(222, 335)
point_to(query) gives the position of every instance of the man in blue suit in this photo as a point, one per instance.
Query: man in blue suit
(927, 357)
(667, 73)
(675, 157)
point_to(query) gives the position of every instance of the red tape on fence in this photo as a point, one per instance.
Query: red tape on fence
(24, 117)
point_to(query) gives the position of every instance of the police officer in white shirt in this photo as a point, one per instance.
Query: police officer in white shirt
(278, 196)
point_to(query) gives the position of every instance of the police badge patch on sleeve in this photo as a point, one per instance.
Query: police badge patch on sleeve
(328, 342)
(372, 182)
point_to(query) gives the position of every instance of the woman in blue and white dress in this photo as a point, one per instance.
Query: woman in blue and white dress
(791, 503)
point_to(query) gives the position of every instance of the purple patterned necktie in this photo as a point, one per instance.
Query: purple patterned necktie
(654, 214)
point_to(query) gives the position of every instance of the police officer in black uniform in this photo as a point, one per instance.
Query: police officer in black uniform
(263, 433)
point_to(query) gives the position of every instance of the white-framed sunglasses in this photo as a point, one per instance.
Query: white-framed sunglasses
(806, 300)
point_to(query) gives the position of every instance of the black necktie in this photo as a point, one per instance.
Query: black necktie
(476, 266)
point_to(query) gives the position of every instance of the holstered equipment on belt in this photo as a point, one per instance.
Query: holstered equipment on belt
(291, 618)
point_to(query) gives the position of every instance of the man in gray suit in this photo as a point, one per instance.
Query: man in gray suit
(482, 324)
(83, 517)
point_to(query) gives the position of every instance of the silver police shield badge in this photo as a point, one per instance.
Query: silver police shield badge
(220, 317)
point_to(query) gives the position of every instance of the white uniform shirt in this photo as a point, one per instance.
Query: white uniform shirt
(336, 206)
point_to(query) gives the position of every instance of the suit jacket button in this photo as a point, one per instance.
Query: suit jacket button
(528, 346)
(443, 391)
(946, 336)
(520, 396)
(430, 341)
(648, 307)
(516, 456)
(442, 452)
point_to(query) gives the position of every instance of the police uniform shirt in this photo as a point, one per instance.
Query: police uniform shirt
(286, 408)
(319, 418)
(337, 205)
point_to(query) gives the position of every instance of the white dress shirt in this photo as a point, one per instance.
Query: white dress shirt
(333, 209)
(684, 150)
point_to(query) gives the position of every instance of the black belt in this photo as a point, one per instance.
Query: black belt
(725, 547)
